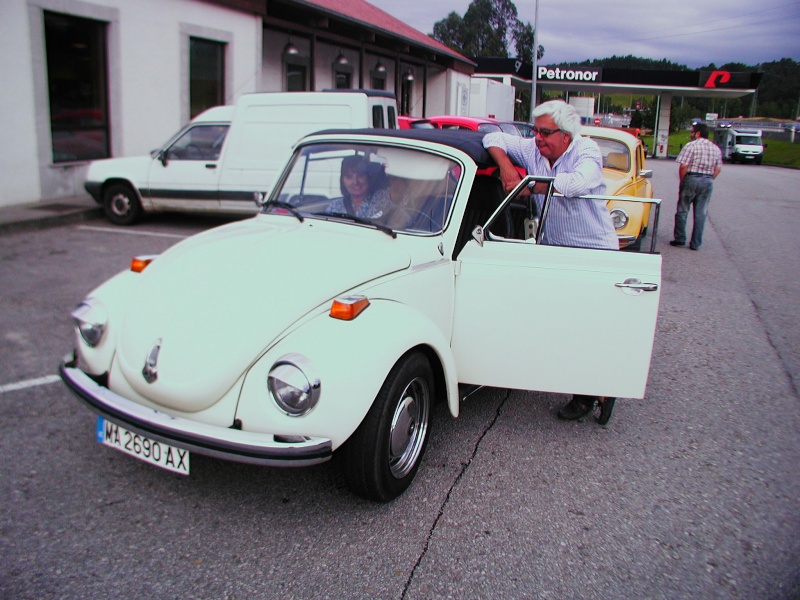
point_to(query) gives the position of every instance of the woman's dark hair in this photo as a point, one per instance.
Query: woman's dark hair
(376, 178)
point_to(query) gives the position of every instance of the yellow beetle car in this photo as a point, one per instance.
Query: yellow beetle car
(624, 174)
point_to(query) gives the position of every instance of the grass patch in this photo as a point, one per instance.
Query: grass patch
(778, 153)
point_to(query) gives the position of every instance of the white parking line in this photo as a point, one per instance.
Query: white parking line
(132, 232)
(29, 383)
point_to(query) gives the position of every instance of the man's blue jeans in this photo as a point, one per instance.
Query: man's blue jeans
(695, 192)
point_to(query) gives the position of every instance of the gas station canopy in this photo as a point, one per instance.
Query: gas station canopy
(639, 82)
(608, 80)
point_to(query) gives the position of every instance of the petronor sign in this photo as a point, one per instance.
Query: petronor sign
(573, 74)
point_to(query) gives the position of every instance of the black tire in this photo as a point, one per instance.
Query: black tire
(121, 204)
(382, 457)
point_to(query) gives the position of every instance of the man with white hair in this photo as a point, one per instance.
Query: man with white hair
(558, 150)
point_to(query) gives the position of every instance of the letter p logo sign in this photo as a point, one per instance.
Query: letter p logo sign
(717, 77)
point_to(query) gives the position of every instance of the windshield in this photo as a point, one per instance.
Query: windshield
(408, 191)
(616, 155)
(748, 140)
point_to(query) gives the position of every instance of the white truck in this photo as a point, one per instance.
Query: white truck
(739, 145)
(229, 156)
(491, 99)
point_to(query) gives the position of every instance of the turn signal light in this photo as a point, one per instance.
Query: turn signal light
(348, 308)
(139, 263)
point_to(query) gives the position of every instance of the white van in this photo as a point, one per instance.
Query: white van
(229, 155)
(742, 145)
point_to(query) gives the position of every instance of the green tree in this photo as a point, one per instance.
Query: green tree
(489, 28)
(523, 43)
(450, 31)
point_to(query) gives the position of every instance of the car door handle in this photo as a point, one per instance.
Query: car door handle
(633, 285)
(211, 165)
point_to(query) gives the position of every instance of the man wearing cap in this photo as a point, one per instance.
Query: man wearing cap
(700, 161)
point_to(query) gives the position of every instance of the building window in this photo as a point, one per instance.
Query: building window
(378, 76)
(76, 80)
(378, 81)
(296, 78)
(343, 80)
(206, 75)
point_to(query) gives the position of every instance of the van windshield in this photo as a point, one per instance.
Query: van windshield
(748, 140)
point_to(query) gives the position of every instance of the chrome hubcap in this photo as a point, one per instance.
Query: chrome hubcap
(409, 428)
(120, 204)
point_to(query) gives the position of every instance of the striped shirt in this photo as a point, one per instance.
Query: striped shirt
(700, 156)
(570, 221)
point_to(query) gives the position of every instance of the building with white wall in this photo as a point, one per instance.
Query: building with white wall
(88, 79)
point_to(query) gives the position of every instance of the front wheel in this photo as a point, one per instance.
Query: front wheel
(382, 457)
(121, 204)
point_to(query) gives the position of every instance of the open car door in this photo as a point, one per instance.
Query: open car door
(554, 319)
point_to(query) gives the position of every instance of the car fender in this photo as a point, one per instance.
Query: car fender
(114, 296)
(352, 360)
(133, 171)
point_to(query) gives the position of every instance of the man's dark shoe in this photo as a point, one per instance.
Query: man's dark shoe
(676, 243)
(577, 408)
(606, 408)
(694, 247)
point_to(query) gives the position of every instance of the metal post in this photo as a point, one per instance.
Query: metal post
(655, 125)
(535, 58)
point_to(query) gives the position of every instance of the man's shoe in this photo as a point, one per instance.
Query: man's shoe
(606, 408)
(577, 408)
(694, 247)
(676, 243)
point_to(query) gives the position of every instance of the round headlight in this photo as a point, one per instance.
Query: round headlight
(619, 217)
(294, 385)
(91, 319)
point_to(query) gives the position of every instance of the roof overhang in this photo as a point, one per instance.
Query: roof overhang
(356, 23)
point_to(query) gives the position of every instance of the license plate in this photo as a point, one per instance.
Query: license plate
(156, 453)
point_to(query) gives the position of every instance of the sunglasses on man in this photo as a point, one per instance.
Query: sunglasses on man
(544, 132)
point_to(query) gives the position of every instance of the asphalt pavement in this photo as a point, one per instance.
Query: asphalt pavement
(691, 493)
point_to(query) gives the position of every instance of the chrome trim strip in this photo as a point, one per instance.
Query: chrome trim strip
(209, 440)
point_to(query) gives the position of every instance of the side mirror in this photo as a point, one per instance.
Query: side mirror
(260, 198)
(162, 157)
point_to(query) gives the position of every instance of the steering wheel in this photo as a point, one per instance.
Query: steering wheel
(415, 214)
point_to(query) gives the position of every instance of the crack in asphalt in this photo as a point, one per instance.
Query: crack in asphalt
(446, 501)
(759, 313)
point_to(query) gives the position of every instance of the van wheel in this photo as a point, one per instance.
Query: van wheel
(121, 204)
(382, 457)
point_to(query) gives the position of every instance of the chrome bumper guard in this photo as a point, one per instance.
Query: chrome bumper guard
(210, 440)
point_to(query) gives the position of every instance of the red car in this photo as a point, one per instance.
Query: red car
(484, 125)
(414, 123)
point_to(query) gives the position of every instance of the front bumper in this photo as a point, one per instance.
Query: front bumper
(219, 442)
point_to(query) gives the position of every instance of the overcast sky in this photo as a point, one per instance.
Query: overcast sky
(694, 33)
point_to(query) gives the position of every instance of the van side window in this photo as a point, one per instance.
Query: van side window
(203, 142)
(392, 117)
(377, 117)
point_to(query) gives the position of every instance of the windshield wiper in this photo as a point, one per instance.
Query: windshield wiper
(286, 205)
(361, 221)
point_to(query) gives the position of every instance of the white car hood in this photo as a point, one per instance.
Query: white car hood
(215, 302)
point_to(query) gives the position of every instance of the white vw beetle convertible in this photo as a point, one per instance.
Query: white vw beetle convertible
(306, 330)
